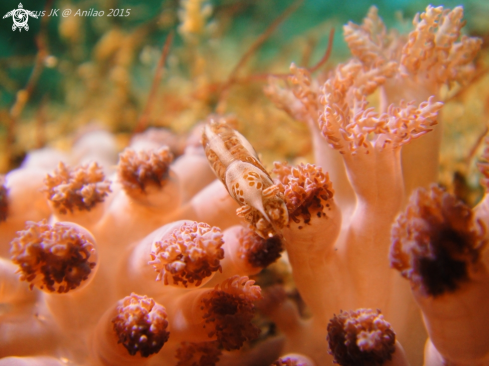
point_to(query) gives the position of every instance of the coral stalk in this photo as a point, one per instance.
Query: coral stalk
(145, 195)
(22, 201)
(11, 288)
(223, 313)
(371, 147)
(247, 253)
(31, 361)
(212, 205)
(315, 222)
(437, 245)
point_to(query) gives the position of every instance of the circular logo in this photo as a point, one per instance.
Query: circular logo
(20, 17)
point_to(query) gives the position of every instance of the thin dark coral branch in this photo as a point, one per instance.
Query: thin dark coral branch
(254, 47)
(309, 47)
(326, 54)
(223, 87)
(321, 62)
(476, 145)
(263, 37)
(24, 94)
(42, 53)
(143, 119)
(41, 123)
(477, 76)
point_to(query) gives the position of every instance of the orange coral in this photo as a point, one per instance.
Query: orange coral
(436, 241)
(257, 251)
(78, 188)
(306, 189)
(361, 337)
(138, 169)
(190, 254)
(337, 241)
(54, 258)
(368, 42)
(349, 126)
(228, 312)
(435, 49)
(198, 354)
(141, 325)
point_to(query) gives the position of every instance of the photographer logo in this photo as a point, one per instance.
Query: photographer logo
(20, 17)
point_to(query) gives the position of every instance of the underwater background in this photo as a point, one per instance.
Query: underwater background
(127, 66)
(76, 70)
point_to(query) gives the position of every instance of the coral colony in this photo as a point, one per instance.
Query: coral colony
(151, 263)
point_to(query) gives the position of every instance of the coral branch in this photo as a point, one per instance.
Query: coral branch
(312, 231)
(434, 50)
(368, 41)
(437, 245)
(223, 313)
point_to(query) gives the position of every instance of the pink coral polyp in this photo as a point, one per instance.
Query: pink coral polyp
(80, 188)
(436, 241)
(56, 258)
(191, 253)
(141, 325)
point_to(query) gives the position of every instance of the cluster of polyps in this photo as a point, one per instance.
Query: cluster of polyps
(374, 166)
(149, 267)
(123, 270)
